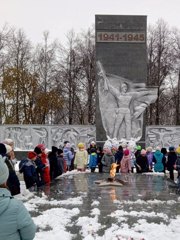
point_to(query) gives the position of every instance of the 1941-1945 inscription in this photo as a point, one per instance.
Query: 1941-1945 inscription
(121, 37)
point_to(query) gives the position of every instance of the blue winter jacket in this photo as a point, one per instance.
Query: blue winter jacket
(93, 160)
(28, 168)
(68, 156)
(158, 158)
(15, 221)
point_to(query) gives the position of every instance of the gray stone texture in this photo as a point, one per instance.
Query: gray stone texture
(26, 137)
(124, 59)
(162, 136)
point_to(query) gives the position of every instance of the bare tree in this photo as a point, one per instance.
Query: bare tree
(45, 66)
(86, 47)
(160, 67)
(18, 51)
(70, 72)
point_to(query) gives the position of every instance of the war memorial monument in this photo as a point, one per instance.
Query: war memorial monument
(74, 207)
(122, 94)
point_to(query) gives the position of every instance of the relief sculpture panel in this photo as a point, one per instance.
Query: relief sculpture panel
(162, 136)
(26, 137)
(122, 104)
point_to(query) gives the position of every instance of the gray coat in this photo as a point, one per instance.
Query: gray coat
(107, 160)
(15, 221)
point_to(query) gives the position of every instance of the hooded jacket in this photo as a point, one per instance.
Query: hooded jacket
(68, 155)
(107, 160)
(15, 221)
(159, 160)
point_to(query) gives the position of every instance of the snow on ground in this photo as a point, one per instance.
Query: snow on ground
(53, 223)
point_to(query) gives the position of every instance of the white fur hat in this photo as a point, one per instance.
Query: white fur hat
(8, 141)
(8, 148)
(4, 171)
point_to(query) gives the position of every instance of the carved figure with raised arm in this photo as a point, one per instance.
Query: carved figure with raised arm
(122, 104)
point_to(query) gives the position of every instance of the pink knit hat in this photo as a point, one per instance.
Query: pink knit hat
(126, 152)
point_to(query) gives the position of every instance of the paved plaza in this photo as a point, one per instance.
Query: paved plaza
(76, 208)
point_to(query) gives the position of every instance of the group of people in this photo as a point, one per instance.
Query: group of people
(40, 167)
(136, 159)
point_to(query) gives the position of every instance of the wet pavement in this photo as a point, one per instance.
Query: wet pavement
(143, 195)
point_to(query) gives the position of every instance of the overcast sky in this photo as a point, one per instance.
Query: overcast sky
(60, 16)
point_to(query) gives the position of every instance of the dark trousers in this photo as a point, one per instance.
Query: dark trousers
(171, 174)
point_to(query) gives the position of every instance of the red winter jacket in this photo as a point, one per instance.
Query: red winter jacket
(46, 171)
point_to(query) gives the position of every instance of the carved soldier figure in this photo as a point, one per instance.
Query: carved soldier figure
(130, 102)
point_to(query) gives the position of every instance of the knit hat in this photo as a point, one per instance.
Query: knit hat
(4, 171)
(8, 148)
(2, 149)
(164, 150)
(171, 148)
(143, 152)
(149, 149)
(41, 146)
(9, 141)
(126, 152)
(178, 150)
(93, 142)
(80, 145)
(158, 149)
(54, 149)
(138, 147)
(37, 150)
(31, 155)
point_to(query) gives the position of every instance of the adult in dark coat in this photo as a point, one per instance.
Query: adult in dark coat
(118, 157)
(172, 157)
(53, 161)
(39, 167)
(142, 162)
(12, 181)
(60, 161)
(99, 157)
(164, 152)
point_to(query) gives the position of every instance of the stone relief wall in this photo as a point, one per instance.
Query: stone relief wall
(26, 137)
(163, 136)
(122, 104)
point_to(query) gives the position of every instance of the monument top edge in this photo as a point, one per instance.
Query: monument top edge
(119, 15)
(46, 125)
(163, 126)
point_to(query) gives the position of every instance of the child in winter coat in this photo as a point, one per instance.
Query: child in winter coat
(99, 158)
(177, 166)
(149, 155)
(159, 160)
(107, 159)
(15, 221)
(81, 158)
(28, 168)
(126, 162)
(68, 156)
(40, 166)
(118, 157)
(45, 161)
(172, 157)
(93, 159)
